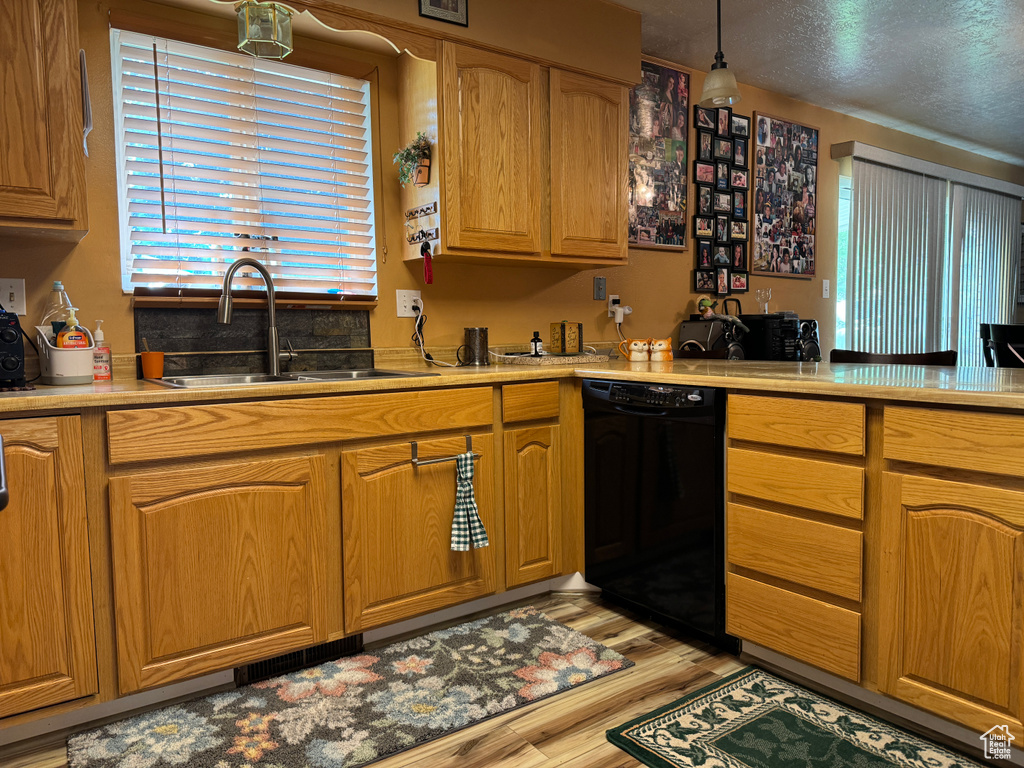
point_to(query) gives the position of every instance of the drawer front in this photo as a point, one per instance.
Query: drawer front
(819, 485)
(815, 424)
(825, 636)
(985, 442)
(227, 428)
(817, 555)
(522, 402)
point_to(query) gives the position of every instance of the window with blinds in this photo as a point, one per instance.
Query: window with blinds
(222, 155)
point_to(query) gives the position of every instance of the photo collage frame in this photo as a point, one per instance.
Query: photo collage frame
(658, 132)
(721, 225)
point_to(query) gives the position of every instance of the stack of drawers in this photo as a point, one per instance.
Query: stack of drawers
(794, 541)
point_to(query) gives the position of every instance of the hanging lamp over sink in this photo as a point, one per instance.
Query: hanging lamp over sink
(264, 29)
(720, 89)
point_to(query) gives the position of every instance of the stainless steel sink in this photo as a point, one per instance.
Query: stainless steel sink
(249, 379)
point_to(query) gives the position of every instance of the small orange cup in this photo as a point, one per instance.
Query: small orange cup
(152, 365)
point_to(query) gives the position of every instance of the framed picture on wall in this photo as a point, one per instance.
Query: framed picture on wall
(723, 149)
(704, 280)
(705, 119)
(704, 173)
(452, 11)
(703, 254)
(659, 108)
(703, 226)
(723, 122)
(704, 146)
(723, 202)
(739, 257)
(738, 230)
(704, 207)
(721, 175)
(722, 282)
(738, 282)
(784, 215)
(741, 125)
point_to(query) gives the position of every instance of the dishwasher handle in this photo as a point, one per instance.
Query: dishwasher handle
(3, 477)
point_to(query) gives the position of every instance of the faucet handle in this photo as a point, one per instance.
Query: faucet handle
(290, 355)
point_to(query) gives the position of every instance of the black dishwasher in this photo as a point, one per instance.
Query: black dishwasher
(654, 474)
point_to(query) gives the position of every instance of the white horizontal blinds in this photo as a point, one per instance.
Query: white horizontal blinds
(986, 250)
(895, 263)
(224, 155)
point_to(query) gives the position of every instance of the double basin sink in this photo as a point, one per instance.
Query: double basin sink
(247, 379)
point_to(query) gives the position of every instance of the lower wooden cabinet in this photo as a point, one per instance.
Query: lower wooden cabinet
(533, 505)
(47, 641)
(397, 521)
(952, 585)
(216, 566)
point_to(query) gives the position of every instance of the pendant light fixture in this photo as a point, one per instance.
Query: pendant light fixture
(720, 89)
(264, 29)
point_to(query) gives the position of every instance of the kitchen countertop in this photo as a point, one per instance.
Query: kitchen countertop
(980, 387)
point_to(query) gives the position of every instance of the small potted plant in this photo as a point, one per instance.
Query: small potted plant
(414, 161)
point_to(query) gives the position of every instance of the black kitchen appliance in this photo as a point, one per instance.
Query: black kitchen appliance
(655, 502)
(12, 351)
(775, 336)
(810, 346)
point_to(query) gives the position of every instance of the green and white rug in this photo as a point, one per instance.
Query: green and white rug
(361, 708)
(754, 720)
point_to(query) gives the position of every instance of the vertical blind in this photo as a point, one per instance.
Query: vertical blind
(222, 155)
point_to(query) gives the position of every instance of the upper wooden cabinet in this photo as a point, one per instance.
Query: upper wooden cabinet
(42, 169)
(47, 645)
(491, 145)
(589, 125)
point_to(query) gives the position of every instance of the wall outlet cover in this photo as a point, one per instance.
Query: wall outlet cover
(12, 295)
(824, 289)
(613, 302)
(405, 300)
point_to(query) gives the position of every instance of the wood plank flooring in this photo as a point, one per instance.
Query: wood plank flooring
(568, 729)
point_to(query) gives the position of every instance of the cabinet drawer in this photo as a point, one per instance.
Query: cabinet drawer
(820, 485)
(809, 630)
(816, 424)
(522, 402)
(227, 428)
(985, 442)
(807, 552)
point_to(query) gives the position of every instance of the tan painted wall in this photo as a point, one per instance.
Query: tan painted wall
(512, 302)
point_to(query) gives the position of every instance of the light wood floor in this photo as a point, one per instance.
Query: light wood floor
(566, 730)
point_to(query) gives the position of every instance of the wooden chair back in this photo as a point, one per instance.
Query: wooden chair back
(945, 357)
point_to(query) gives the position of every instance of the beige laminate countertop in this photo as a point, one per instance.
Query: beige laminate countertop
(977, 387)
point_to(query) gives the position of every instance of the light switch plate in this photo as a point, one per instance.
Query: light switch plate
(824, 289)
(12, 295)
(600, 286)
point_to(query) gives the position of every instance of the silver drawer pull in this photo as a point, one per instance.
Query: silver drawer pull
(3, 477)
(416, 462)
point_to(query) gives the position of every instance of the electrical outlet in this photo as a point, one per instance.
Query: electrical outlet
(12, 295)
(613, 302)
(824, 289)
(600, 284)
(405, 300)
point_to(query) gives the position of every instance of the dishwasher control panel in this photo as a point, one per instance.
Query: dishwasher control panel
(664, 395)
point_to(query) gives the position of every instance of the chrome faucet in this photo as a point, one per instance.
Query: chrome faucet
(274, 354)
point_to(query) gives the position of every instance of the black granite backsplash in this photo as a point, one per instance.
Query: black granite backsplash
(194, 343)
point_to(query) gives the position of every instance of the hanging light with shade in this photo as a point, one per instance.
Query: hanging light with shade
(264, 29)
(720, 89)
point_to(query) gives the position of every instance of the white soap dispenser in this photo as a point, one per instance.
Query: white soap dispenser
(102, 369)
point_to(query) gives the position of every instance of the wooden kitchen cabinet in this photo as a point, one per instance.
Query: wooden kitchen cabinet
(216, 566)
(589, 155)
(47, 641)
(490, 141)
(397, 521)
(952, 589)
(533, 505)
(42, 169)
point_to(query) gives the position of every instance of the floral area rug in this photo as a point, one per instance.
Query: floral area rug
(754, 720)
(361, 708)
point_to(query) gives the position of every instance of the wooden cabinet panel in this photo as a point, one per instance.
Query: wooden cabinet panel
(522, 402)
(817, 555)
(819, 485)
(815, 424)
(491, 149)
(806, 629)
(533, 505)
(216, 566)
(47, 645)
(42, 172)
(589, 155)
(952, 625)
(397, 521)
(985, 442)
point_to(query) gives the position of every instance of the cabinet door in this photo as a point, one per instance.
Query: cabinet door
(589, 152)
(952, 624)
(397, 521)
(216, 566)
(47, 642)
(533, 505)
(42, 172)
(491, 145)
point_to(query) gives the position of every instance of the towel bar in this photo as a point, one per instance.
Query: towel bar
(416, 462)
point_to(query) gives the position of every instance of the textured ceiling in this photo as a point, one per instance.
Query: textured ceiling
(948, 70)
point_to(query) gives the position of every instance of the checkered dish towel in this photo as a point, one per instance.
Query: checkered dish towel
(467, 530)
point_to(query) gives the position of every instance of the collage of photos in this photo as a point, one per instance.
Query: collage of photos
(658, 129)
(785, 178)
(721, 171)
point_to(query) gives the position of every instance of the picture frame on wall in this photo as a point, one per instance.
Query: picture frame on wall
(723, 122)
(740, 125)
(705, 119)
(739, 178)
(723, 149)
(722, 229)
(738, 262)
(720, 255)
(723, 202)
(452, 11)
(704, 226)
(659, 111)
(704, 200)
(738, 230)
(703, 254)
(721, 175)
(739, 204)
(722, 283)
(783, 214)
(739, 147)
(703, 173)
(738, 282)
(705, 141)
(704, 281)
